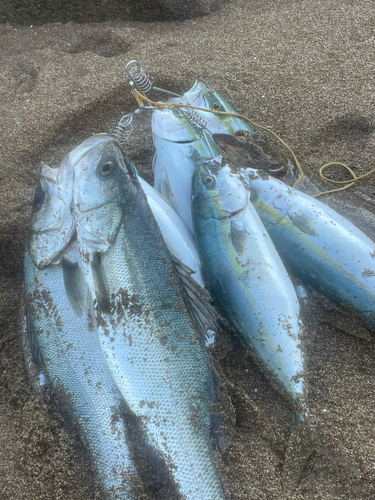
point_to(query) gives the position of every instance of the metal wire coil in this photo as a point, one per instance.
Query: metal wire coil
(124, 128)
(138, 77)
(194, 117)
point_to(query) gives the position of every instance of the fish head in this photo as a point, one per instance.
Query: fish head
(233, 149)
(204, 97)
(216, 191)
(52, 222)
(171, 125)
(103, 179)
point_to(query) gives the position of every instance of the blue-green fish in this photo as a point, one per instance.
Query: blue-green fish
(203, 97)
(247, 276)
(321, 246)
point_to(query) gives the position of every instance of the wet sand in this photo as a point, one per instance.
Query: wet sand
(303, 68)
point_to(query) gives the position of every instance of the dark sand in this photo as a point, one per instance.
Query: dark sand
(304, 68)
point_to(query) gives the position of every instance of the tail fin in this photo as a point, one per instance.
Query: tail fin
(306, 439)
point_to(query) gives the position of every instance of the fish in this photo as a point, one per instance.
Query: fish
(243, 146)
(176, 235)
(179, 144)
(62, 345)
(202, 96)
(319, 245)
(247, 276)
(52, 223)
(152, 347)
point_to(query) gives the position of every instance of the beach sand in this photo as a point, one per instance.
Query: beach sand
(304, 68)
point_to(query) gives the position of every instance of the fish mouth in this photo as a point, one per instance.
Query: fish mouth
(231, 214)
(180, 142)
(71, 242)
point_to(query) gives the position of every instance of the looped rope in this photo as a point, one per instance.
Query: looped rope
(141, 99)
(347, 183)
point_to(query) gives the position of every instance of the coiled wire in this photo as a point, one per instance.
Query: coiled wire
(194, 117)
(124, 128)
(138, 78)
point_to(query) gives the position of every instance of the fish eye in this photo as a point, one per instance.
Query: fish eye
(209, 180)
(106, 169)
(177, 112)
(38, 199)
(215, 106)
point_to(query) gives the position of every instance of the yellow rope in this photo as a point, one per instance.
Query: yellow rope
(141, 99)
(347, 183)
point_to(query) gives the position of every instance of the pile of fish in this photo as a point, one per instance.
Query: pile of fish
(119, 278)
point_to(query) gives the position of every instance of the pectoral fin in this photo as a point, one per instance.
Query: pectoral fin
(238, 237)
(75, 286)
(36, 354)
(303, 223)
(101, 290)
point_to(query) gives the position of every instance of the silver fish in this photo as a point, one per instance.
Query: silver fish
(63, 340)
(152, 347)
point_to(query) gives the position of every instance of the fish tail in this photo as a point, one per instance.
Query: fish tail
(307, 439)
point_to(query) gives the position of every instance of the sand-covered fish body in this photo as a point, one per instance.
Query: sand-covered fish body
(179, 145)
(152, 348)
(324, 248)
(76, 368)
(63, 339)
(246, 274)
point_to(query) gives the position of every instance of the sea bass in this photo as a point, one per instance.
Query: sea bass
(64, 344)
(326, 250)
(151, 345)
(176, 235)
(247, 276)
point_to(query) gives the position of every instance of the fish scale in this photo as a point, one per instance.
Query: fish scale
(152, 348)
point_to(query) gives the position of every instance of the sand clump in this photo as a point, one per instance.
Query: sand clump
(303, 68)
